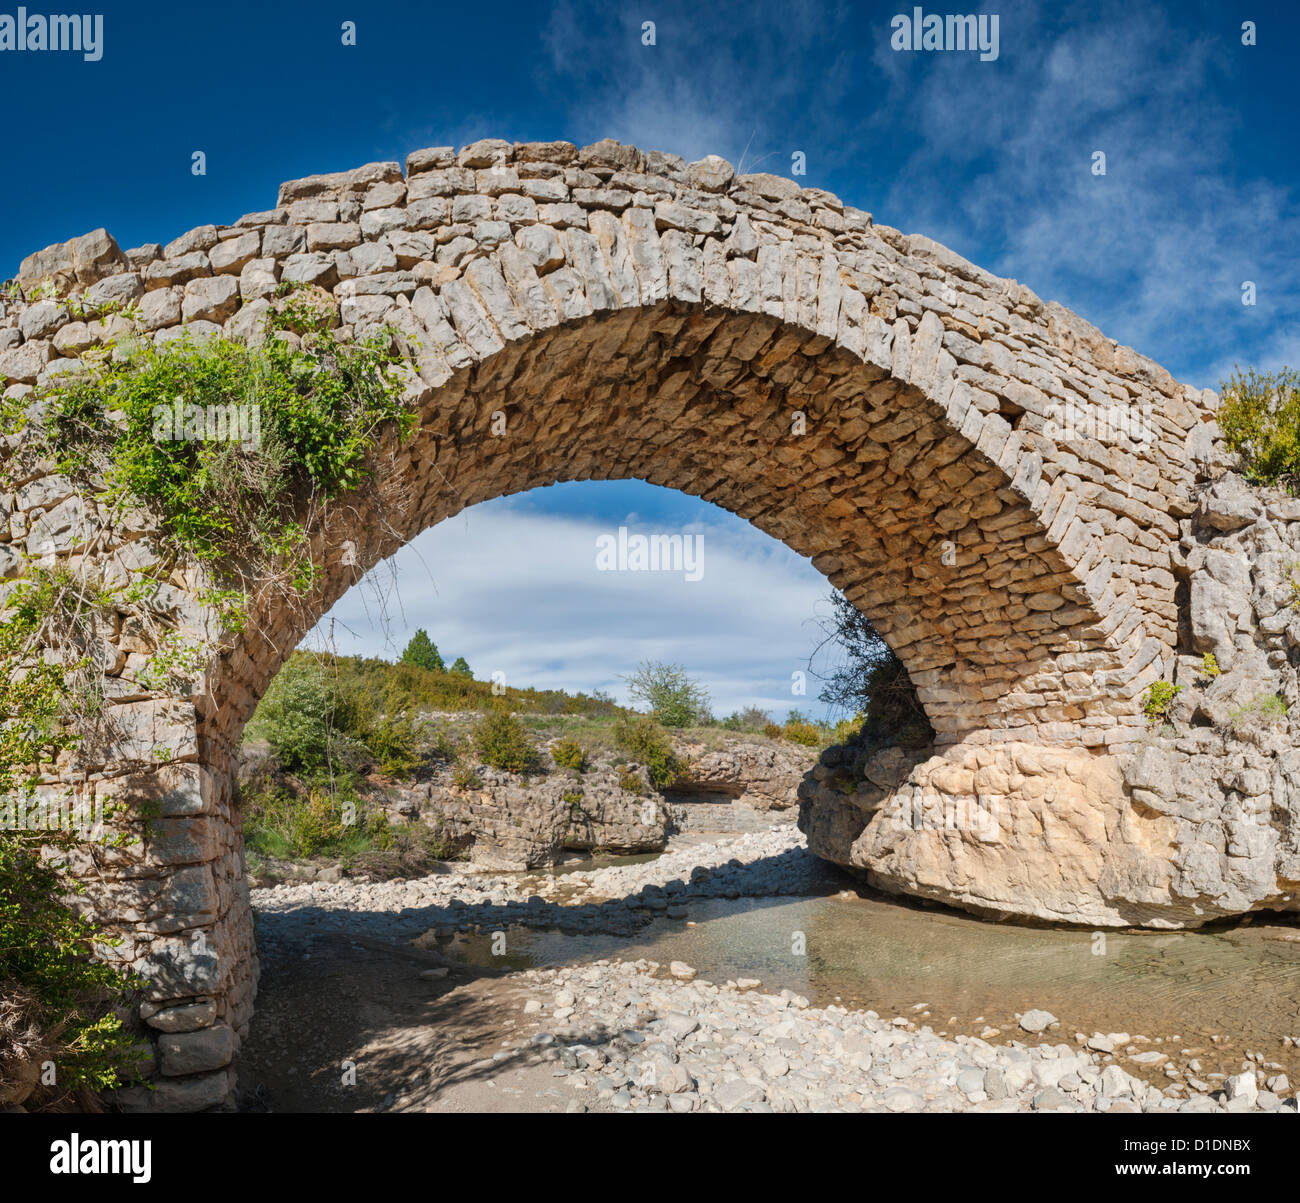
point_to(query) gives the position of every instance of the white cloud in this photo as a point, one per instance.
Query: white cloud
(519, 592)
(1155, 251)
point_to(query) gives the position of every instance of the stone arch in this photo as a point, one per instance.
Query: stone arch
(681, 397)
(633, 315)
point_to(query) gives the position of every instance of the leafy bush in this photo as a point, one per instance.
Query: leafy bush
(394, 739)
(647, 742)
(322, 817)
(296, 716)
(56, 1000)
(674, 699)
(409, 850)
(444, 745)
(1158, 697)
(423, 652)
(319, 403)
(55, 997)
(846, 730)
(1210, 665)
(1259, 415)
(749, 719)
(630, 780)
(463, 776)
(772, 730)
(802, 733)
(503, 743)
(570, 754)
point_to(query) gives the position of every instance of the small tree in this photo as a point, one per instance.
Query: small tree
(674, 699)
(423, 652)
(461, 668)
(297, 716)
(869, 678)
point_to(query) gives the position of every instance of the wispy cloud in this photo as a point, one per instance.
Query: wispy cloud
(1156, 250)
(519, 592)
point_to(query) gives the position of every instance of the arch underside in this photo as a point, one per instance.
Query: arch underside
(921, 530)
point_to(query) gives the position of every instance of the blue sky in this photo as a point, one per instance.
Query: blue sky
(1202, 193)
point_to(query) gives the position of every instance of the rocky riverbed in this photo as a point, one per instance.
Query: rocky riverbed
(638, 1034)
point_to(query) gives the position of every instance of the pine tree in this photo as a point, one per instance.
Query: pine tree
(423, 652)
(461, 669)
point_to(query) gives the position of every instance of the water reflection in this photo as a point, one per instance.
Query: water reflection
(1242, 983)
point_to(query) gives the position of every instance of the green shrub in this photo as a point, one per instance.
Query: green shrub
(461, 668)
(56, 999)
(749, 719)
(394, 740)
(463, 776)
(296, 717)
(570, 754)
(445, 746)
(1259, 414)
(322, 816)
(1267, 708)
(503, 743)
(1158, 697)
(630, 781)
(408, 850)
(1210, 666)
(319, 404)
(649, 744)
(674, 699)
(802, 733)
(847, 728)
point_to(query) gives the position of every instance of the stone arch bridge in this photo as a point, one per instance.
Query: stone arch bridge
(993, 481)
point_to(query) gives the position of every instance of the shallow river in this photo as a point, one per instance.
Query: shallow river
(1241, 984)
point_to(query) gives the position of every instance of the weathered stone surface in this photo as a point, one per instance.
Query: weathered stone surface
(763, 775)
(504, 825)
(192, 1052)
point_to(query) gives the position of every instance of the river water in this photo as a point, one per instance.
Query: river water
(1181, 990)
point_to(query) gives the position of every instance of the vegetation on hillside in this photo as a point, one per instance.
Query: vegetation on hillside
(1259, 414)
(649, 744)
(675, 699)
